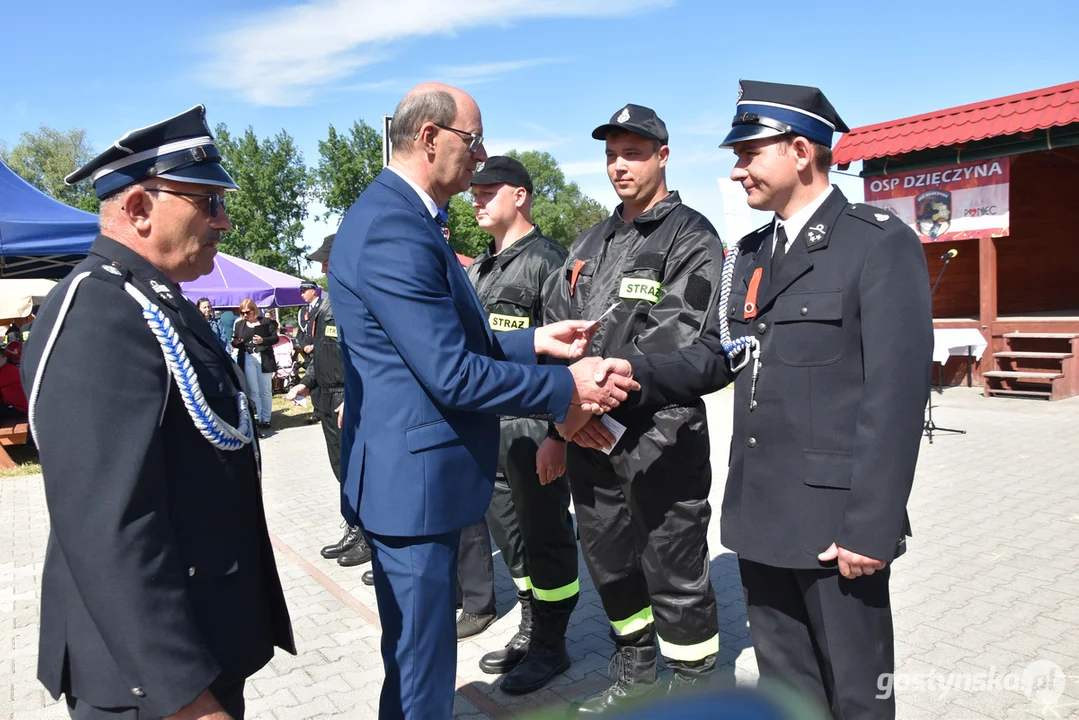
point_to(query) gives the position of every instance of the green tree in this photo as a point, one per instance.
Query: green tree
(268, 210)
(466, 237)
(347, 165)
(559, 208)
(44, 158)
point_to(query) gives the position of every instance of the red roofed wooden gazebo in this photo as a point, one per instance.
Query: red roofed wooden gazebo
(997, 181)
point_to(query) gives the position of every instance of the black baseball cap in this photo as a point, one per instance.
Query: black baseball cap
(635, 119)
(323, 253)
(503, 169)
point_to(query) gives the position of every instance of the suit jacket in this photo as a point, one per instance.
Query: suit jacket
(828, 452)
(425, 378)
(159, 577)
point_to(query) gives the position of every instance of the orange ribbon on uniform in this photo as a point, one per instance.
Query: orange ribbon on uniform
(751, 297)
(573, 276)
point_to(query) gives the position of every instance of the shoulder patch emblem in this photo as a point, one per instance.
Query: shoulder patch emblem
(816, 233)
(162, 290)
(624, 115)
(111, 269)
(880, 216)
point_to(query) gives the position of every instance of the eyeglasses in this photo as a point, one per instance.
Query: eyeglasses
(475, 139)
(248, 312)
(217, 202)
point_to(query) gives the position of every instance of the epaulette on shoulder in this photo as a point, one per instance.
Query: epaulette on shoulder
(873, 215)
(113, 273)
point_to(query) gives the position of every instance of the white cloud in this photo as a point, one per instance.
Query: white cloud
(465, 75)
(283, 57)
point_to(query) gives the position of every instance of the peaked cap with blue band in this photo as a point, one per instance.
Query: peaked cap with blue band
(771, 109)
(179, 148)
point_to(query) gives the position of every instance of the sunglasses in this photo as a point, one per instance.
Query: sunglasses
(217, 202)
(475, 140)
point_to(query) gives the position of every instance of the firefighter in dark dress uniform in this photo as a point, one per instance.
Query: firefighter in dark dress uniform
(643, 510)
(324, 381)
(827, 335)
(159, 591)
(529, 519)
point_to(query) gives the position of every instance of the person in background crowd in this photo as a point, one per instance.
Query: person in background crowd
(305, 336)
(254, 337)
(228, 322)
(325, 379)
(207, 311)
(12, 395)
(159, 593)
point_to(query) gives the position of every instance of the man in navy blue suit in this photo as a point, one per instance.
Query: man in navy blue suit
(425, 383)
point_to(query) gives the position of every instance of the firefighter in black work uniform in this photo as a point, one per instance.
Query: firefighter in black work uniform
(643, 509)
(324, 381)
(529, 519)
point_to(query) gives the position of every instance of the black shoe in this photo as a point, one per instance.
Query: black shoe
(636, 682)
(347, 542)
(368, 578)
(358, 554)
(471, 624)
(546, 655)
(509, 657)
(691, 676)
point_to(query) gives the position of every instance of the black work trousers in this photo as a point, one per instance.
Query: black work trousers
(643, 517)
(328, 402)
(827, 636)
(531, 525)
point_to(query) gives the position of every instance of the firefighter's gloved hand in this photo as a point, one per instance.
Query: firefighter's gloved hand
(603, 396)
(594, 435)
(550, 460)
(566, 339)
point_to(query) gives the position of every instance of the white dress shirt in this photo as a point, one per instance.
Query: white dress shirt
(431, 206)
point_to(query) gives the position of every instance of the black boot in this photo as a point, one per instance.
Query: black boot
(358, 554)
(351, 537)
(509, 657)
(546, 656)
(690, 676)
(637, 680)
(368, 578)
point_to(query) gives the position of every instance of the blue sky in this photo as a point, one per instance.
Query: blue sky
(545, 72)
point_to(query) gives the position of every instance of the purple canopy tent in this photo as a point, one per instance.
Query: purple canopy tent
(234, 279)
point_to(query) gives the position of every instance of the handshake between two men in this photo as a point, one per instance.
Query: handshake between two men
(600, 384)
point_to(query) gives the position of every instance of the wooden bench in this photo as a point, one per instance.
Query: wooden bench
(12, 432)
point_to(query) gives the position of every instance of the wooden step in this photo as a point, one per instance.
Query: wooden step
(1022, 393)
(1038, 355)
(1024, 375)
(1042, 336)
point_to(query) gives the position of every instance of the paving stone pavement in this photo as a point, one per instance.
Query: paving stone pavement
(985, 601)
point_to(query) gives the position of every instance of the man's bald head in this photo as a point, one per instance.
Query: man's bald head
(428, 102)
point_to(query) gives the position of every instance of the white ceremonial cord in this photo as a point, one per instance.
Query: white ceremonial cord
(216, 430)
(748, 345)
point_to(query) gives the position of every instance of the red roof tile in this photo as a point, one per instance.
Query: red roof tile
(1034, 110)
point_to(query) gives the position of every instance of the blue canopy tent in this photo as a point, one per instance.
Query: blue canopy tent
(39, 237)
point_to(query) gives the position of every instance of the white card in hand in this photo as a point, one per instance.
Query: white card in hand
(300, 401)
(596, 321)
(616, 428)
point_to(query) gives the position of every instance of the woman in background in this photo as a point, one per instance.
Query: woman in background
(254, 338)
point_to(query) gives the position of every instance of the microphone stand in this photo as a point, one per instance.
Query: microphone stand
(931, 427)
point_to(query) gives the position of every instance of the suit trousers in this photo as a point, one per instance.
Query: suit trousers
(827, 636)
(230, 695)
(415, 581)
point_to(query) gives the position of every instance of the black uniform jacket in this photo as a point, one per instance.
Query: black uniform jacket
(846, 335)
(305, 331)
(662, 272)
(510, 287)
(325, 371)
(159, 577)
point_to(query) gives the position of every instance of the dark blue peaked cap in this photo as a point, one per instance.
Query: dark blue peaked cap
(179, 148)
(770, 109)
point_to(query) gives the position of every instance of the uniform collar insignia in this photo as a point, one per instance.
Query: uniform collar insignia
(815, 234)
(111, 269)
(161, 289)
